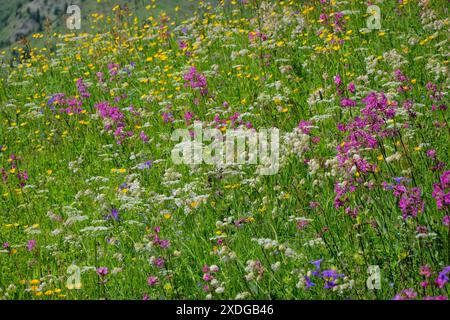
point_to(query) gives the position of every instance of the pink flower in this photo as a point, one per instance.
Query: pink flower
(102, 271)
(446, 220)
(431, 153)
(337, 80)
(143, 136)
(351, 87)
(152, 281)
(31, 245)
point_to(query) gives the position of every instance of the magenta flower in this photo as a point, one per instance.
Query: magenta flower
(431, 153)
(441, 191)
(305, 126)
(102, 271)
(426, 271)
(152, 281)
(446, 220)
(407, 294)
(82, 89)
(195, 80)
(351, 87)
(442, 278)
(158, 262)
(337, 80)
(31, 245)
(143, 137)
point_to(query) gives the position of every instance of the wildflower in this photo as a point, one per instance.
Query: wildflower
(407, 294)
(337, 80)
(317, 263)
(31, 245)
(114, 214)
(158, 262)
(330, 276)
(426, 271)
(308, 282)
(102, 271)
(146, 165)
(443, 278)
(214, 268)
(446, 220)
(152, 281)
(143, 137)
(195, 80)
(431, 153)
(351, 87)
(82, 90)
(305, 126)
(441, 191)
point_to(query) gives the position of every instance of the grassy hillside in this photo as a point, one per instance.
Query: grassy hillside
(95, 204)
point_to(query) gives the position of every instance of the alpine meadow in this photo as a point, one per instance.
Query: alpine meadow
(225, 150)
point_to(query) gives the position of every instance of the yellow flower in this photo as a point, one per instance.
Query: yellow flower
(194, 204)
(49, 172)
(34, 281)
(167, 287)
(48, 292)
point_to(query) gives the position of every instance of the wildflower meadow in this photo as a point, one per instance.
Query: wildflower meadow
(242, 149)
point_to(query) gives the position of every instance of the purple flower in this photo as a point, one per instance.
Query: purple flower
(305, 126)
(442, 278)
(164, 244)
(31, 245)
(308, 282)
(152, 281)
(441, 191)
(102, 271)
(143, 137)
(82, 89)
(407, 294)
(431, 153)
(158, 262)
(317, 263)
(145, 165)
(446, 220)
(330, 276)
(337, 80)
(351, 87)
(114, 214)
(195, 80)
(207, 277)
(346, 102)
